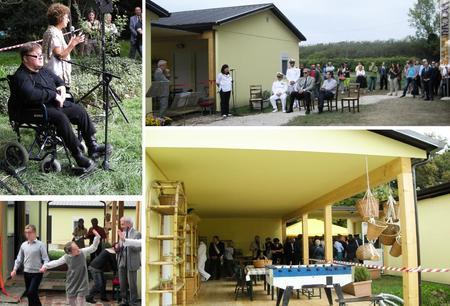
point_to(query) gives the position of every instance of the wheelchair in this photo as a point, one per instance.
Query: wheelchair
(44, 147)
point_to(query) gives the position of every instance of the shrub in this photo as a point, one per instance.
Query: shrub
(55, 254)
(361, 274)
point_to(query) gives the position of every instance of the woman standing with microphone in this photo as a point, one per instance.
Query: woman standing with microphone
(54, 47)
(225, 83)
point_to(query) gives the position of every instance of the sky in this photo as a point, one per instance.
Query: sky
(324, 21)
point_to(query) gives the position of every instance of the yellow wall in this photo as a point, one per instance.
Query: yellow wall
(62, 220)
(254, 46)
(152, 247)
(433, 228)
(240, 230)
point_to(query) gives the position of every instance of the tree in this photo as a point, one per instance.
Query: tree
(424, 17)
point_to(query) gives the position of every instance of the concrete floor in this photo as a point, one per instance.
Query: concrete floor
(221, 293)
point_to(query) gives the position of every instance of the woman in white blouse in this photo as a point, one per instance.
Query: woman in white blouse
(225, 83)
(361, 76)
(54, 47)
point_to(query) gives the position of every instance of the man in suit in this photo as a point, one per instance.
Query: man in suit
(161, 84)
(136, 33)
(216, 251)
(302, 91)
(129, 261)
(427, 74)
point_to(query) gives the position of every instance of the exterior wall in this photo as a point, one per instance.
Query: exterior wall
(433, 227)
(148, 50)
(4, 239)
(152, 248)
(62, 220)
(254, 46)
(241, 231)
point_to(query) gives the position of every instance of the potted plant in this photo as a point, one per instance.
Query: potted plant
(362, 286)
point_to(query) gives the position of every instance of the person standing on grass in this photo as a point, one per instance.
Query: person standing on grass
(224, 83)
(136, 33)
(32, 254)
(361, 76)
(342, 78)
(383, 77)
(373, 75)
(435, 78)
(393, 83)
(410, 79)
(77, 281)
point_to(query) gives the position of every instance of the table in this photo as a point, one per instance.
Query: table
(250, 271)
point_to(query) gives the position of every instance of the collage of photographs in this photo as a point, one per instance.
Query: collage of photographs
(224, 152)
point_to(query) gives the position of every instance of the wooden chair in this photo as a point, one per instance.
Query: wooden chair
(353, 97)
(329, 102)
(256, 96)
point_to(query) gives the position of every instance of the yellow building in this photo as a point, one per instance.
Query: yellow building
(153, 13)
(55, 222)
(254, 40)
(433, 211)
(248, 181)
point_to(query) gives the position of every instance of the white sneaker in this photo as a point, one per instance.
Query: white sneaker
(284, 110)
(275, 111)
(390, 94)
(230, 115)
(224, 117)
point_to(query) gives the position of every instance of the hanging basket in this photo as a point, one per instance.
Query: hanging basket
(368, 207)
(388, 236)
(374, 229)
(261, 263)
(367, 252)
(396, 249)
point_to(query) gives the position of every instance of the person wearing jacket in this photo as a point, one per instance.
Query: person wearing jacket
(216, 251)
(279, 92)
(303, 90)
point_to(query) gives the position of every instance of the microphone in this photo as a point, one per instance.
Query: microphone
(232, 69)
(72, 31)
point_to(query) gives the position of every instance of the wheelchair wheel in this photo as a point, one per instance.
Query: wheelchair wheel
(14, 155)
(50, 165)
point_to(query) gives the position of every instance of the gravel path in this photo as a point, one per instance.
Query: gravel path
(267, 119)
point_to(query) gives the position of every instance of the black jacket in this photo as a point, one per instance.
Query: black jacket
(102, 260)
(212, 249)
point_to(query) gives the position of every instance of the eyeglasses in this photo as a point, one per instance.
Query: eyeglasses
(40, 56)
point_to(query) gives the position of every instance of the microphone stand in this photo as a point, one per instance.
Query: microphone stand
(233, 91)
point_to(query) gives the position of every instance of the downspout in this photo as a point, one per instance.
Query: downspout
(414, 165)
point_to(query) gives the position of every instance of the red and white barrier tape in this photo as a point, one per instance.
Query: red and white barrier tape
(395, 269)
(36, 41)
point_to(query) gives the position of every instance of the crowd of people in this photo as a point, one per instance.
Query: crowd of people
(122, 258)
(220, 258)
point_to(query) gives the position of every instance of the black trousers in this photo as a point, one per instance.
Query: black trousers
(215, 268)
(415, 88)
(383, 82)
(428, 88)
(225, 102)
(32, 282)
(63, 118)
(306, 96)
(324, 95)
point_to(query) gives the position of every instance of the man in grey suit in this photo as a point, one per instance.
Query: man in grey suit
(161, 84)
(136, 33)
(129, 262)
(302, 91)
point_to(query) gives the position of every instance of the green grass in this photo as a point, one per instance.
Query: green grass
(405, 112)
(126, 161)
(433, 294)
(10, 58)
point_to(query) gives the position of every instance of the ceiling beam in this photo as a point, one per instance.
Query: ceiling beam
(377, 177)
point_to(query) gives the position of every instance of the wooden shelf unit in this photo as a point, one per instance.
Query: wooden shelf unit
(167, 203)
(192, 276)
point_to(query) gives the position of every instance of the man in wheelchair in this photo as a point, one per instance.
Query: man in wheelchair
(33, 85)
